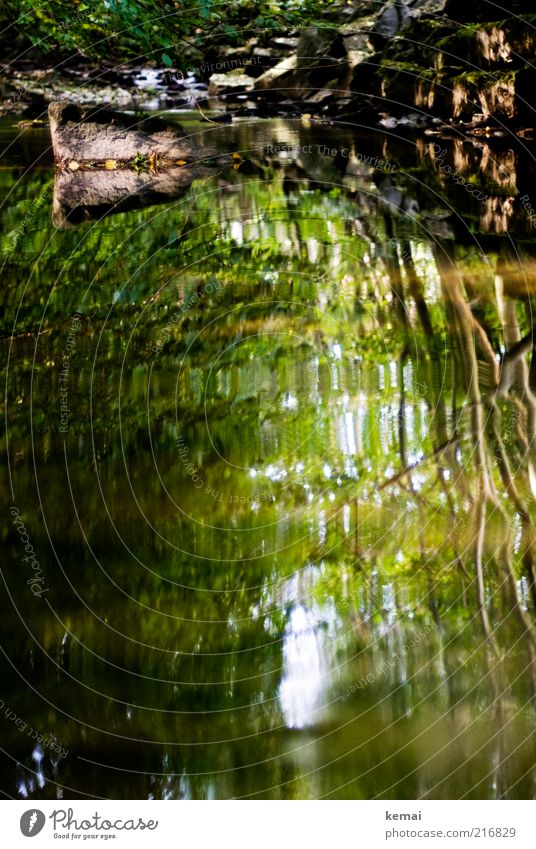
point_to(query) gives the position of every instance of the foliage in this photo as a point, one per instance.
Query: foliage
(161, 31)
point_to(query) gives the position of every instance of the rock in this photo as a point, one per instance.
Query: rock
(321, 96)
(98, 135)
(321, 65)
(357, 46)
(232, 54)
(388, 22)
(318, 47)
(277, 75)
(285, 44)
(263, 59)
(231, 83)
(318, 64)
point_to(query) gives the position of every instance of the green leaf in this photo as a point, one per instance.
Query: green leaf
(204, 8)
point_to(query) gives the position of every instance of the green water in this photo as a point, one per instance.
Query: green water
(272, 446)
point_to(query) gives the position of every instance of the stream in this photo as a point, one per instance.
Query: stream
(271, 444)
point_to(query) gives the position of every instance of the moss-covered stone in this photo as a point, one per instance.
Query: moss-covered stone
(459, 68)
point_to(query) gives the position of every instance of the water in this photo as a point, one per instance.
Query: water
(277, 479)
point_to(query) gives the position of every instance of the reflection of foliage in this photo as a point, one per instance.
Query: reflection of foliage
(357, 395)
(272, 315)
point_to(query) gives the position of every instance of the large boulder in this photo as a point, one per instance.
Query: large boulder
(80, 137)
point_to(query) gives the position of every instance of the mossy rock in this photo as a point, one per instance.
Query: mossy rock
(455, 71)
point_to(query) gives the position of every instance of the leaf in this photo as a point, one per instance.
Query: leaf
(139, 163)
(168, 62)
(204, 8)
(238, 161)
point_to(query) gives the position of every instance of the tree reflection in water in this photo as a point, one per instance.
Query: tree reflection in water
(354, 382)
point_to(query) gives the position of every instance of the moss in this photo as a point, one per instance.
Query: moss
(405, 67)
(498, 189)
(479, 77)
(472, 29)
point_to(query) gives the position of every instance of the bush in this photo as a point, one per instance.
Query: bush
(166, 32)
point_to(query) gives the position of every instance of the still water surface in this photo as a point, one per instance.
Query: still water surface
(272, 443)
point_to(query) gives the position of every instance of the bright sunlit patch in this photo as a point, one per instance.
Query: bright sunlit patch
(523, 592)
(289, 402)
(301, 684)
(337, 351)
(322, 527)
(275, 474)
(389, 602)
(237, 232)
(312, 250)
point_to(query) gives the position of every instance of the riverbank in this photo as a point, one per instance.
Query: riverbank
(402, 64)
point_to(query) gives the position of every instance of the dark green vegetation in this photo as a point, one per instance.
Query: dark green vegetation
(287, 521)
(161, 31)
